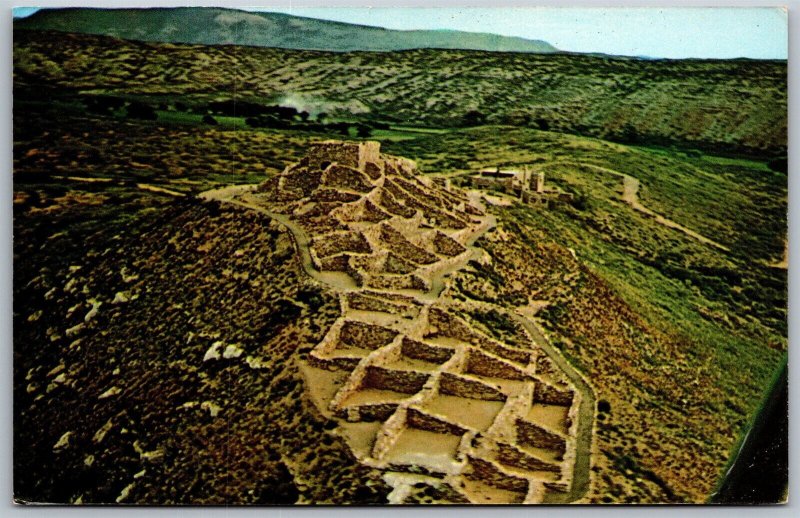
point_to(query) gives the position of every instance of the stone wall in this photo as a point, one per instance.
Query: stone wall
(511, 456)
(484, 365)
(427, 353)
(394, 264)
(407, 382)
(488, 473)
(422, 421)
(365, 336)
(514, 355)
(389, 202)
(305, 181)
(532, 435)
(358, 301)
(445, 324)
(327, 195)
(371, 213)
(377, 412)
(453, 385)
(549, 395)
(332, 244)
(373, 170)
(403, 248)
(336, 263)
(442, 244)
(398, 282)
(344, 153)
(342, 177)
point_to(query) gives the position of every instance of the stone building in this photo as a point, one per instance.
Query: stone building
(526, 185)
(348, 154)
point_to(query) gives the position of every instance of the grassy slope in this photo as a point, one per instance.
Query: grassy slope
(686, 340)
(729, 105)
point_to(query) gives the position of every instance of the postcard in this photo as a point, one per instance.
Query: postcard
(355, 256)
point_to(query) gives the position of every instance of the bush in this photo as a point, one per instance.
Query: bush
(139, 110)
(580, 202)
(103, 103)
(779, 165)
(473, 118)
(208, 119)
(363, 131)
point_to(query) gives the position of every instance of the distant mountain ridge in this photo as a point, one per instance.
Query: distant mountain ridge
(220, 26)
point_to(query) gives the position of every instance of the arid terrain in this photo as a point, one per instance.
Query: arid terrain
(220, 307)
(732, 105)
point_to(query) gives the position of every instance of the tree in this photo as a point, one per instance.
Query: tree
(139, 110)
(363, 131)
(780, 165)
(543, 124)
(208, 119)
(474, 118)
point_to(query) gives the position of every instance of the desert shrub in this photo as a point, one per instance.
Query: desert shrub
(311, 297)
(580, 202)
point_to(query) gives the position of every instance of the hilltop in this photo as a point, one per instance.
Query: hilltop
(217, 26)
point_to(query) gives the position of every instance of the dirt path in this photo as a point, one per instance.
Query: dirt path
(160, 190)
(630, 195)
(582, 469)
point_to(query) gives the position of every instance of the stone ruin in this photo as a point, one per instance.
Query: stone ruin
(526, 185)
(417, 390)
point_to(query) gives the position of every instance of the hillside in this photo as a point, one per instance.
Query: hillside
(678, 339)
(215, 26)
(731, 106)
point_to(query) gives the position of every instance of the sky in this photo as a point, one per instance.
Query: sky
(697, 32)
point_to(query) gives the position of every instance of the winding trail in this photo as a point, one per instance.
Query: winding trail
(630, 195)
(582, 468)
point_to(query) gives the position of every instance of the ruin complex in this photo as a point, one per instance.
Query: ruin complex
(416, 389)
(526, 185)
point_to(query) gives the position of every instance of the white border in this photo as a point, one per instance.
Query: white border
(8, 509)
